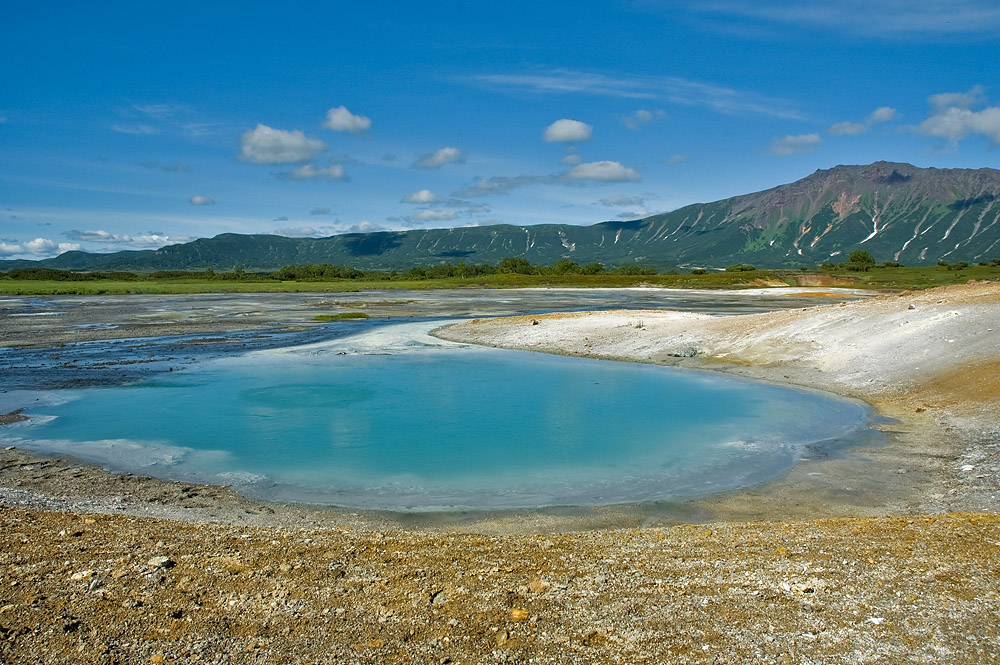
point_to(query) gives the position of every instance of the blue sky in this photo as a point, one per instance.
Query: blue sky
(134, 125)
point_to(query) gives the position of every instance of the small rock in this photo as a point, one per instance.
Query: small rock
(911, 306)
(538, 586)
(82, 575)
(967, 468)
(534, 322)
(518, 614)
(161, 561)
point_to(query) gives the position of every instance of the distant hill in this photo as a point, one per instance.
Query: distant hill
(896, 212)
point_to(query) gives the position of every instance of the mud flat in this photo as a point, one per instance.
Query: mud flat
(904, 567)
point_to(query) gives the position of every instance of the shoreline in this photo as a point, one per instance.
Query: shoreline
(943, 419)
(38, 480)
(916, 469)
(104, 568)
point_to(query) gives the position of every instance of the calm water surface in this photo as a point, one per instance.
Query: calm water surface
(396, 420)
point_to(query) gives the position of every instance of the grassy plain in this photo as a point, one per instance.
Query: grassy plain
(877, 278)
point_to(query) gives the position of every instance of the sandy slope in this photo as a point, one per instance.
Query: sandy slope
(881, 347)
(930, 359)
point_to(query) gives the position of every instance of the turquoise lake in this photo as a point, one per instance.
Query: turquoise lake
(397, 420)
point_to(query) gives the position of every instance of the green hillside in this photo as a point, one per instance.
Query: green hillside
(897, 212)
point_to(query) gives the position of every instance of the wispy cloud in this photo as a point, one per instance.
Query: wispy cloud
(169, 168)
(878, 116)
(595, 172)
(501, 185)
(673, 89)
(622, 201)
(306, 231)
(795, 144)
(158, 118)
(429, 215)
(438, 158)
(313, 172)
(847, 128)
(424, 196)
(199, 200)
(640, 118)
(137, 129)
(887, 19)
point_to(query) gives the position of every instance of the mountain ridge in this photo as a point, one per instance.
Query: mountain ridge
(896, 211)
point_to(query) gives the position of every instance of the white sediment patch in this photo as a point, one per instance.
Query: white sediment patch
(399, 338)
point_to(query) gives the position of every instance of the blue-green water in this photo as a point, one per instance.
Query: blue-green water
(445, 427)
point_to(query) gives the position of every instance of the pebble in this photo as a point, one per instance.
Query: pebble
(518, 614)
(161, 561)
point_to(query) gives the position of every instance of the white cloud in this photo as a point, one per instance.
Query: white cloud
(567, 131)
(603, 171)
(955, 123)
(795, 144)
(963, 100)
(266, 145)
(200, 200)
(428, 215)
(847, 128)
(313, 172)
(622, 201)
(879, 115)
(882, 114)
(953, 118)
(642, 117)
(103, 237)
(424, 196)
(572, 159)
(39, 247)
(342, 120)
(439, 158)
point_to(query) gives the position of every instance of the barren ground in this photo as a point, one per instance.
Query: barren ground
(904, 567)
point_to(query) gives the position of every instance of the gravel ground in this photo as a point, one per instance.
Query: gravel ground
(122, 569)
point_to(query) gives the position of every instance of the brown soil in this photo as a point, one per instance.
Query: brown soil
(116, 589)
